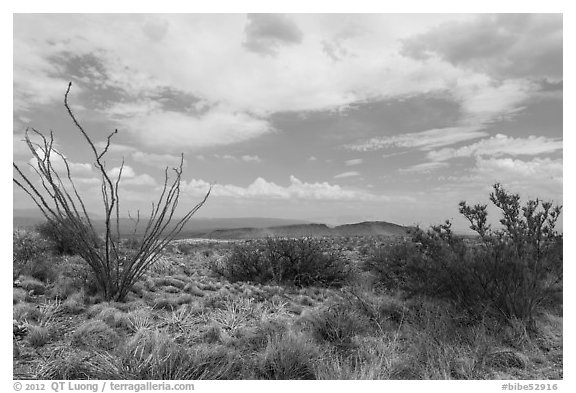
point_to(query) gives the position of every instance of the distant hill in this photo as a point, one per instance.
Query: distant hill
(196, 227)
(371, 228)
(237, 228)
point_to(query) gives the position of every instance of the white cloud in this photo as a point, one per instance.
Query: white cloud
(139, 180)
(424, 140)
(356, 161)
(130, 178)
(77, 169)
(249, 158)
(115, 147)
(297, 189)
(301, 77)
(127, 172)
(500, 145)
(426, 167)
(179, 130)
(346, 174)
(538, 169)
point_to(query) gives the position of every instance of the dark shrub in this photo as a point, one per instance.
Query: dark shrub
(299, 262)
(63, 240)
(247, 263)
(511, 272)
(30, 255)
(305, 262)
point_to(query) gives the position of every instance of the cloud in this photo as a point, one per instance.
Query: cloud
(184, 131)
(356, 161)
(424, 140)
(127, 172)
(238, 96)
(346, 174)
(500, 45)
(297, 189)
(130, 178)
(508, 169)
(249, 158)
(115, 147)
(267, 33)
(500, 145)
(77, 169)
(426, 167)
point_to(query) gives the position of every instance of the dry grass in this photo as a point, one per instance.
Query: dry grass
(209, 328)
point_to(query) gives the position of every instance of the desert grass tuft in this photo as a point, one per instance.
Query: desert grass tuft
(37, 336)
(95, 334)
(288, 356)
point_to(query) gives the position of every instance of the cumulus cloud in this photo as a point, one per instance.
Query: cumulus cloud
(267, 33)
(77, 169)
(537, 169)
(130, 178)
(501, 45)
(500, 145)
(297, 189)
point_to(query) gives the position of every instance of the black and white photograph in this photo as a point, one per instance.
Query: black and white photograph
(287, 196)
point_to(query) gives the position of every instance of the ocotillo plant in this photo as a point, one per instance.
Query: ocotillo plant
(59, 200)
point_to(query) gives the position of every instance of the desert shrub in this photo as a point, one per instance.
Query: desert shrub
(30, 255)
(32, 285)
(245, 263)
(511, 271)
(305, 262)
(74, 275)
(63, 241)
(300, 262)
(70, 226)
(95, 334)
(19, 295)
(26, 312)
(132, 243)
(185, 248)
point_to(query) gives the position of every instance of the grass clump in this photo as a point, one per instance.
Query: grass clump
(95, 334)
(155, 356)
(288, 356)
(37, 336)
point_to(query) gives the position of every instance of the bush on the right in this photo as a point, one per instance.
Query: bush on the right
(511, 272)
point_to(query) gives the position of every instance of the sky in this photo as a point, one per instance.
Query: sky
(331, 118)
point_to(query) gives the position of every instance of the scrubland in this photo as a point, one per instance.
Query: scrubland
(338, 308)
